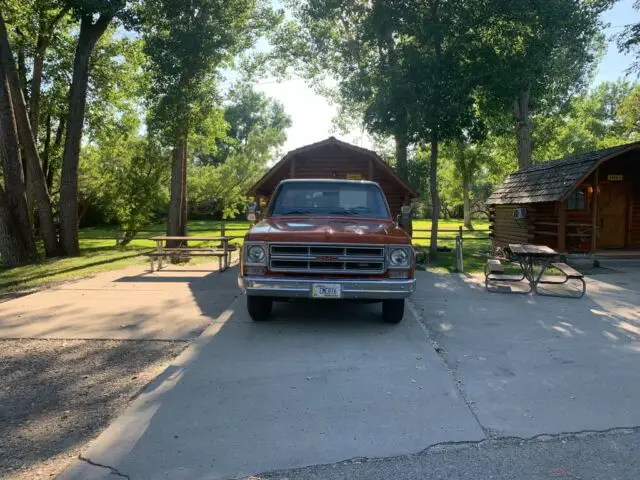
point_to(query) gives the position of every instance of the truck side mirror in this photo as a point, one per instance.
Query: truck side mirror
(253, 212)
(405, 219)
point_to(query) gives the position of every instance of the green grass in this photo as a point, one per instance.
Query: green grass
(475, 244)
(100, 253)
(93, 260)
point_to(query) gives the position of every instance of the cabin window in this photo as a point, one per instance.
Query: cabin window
(577, 200)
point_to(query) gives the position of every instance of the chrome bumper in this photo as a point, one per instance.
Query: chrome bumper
(350, 289)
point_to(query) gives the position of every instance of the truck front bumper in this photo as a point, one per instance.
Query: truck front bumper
(350, 289)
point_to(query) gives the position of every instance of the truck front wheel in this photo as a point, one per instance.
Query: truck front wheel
(393, 310)
(259, 308)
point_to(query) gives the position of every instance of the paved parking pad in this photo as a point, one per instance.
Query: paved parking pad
(532, 365)
(176, 303)
(321, 383)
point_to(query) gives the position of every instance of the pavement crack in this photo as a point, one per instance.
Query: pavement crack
(457, 381)
(100, 465)
(441, 447)
(542, 437)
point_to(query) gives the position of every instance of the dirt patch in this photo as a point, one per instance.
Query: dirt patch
(55, 395)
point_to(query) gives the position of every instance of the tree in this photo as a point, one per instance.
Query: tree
(629, 42)
(36, 175)
(402, 64)
(186, 43)
(250, 112)
(467, 159)
(12, 249)
(220, 190)
(599, 118)
(126, 176)
(535, 55)
(37, 30)
(15, 200)
(438, 51)
(356, 44)
(95, 16)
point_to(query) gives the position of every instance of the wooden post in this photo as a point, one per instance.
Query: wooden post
(460, 231)
(594, 211)
(222, 229)
(371, 169)
(562, 227)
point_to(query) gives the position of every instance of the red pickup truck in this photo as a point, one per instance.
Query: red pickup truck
(327, 239)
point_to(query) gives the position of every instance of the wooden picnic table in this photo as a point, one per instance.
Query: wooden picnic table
(528, 256)
(160, 250)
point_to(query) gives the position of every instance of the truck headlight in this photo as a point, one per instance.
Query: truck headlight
(256, 255)
(399, 257)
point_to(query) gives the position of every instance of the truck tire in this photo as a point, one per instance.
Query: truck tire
(393, 310)
(259, 308)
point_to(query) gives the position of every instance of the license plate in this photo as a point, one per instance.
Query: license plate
(326, 290)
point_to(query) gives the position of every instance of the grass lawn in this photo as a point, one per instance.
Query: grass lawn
(100, 254)
(475, 244)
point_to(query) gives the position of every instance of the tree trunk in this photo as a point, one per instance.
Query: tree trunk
(435, 198)
(466, 201)
(34, 105)
(175, 224)
(184, 214)
(36, 83)
(47, 225)
(46, 147)
(12, 250)
(22, 73)
(401, 156)
(16, 195)
(54, 166)
(90, 33)
(42, 43)
(523, 129)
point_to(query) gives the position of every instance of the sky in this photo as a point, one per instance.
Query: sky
(311, 114)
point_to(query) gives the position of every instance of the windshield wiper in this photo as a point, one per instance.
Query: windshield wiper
(343, 212)
(296, 212)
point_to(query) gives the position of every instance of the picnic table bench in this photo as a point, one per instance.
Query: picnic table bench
(222, 252)
(527, 257)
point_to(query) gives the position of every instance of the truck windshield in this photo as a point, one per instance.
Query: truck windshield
(329, 198)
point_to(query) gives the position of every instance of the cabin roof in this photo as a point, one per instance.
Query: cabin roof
(281, 168)
(552, 181)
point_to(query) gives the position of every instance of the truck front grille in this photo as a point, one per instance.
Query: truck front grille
(310, 258)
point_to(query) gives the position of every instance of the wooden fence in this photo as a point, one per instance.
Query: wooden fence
(222, 229)
(465, 235)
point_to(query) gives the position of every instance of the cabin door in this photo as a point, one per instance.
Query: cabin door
(612, 215)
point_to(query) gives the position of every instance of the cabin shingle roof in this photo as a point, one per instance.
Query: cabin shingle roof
(551, 181)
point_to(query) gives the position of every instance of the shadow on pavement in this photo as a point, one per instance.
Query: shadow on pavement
(320, 382)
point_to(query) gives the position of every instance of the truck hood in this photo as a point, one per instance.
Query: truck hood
(328, 229)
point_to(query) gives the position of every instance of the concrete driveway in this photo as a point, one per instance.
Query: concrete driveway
(127, 304)
(319, 384)
(532, 365)
(323, 383)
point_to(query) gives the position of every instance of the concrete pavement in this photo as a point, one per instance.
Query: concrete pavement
(514, 388)
(321, 383)
(132, 304)
(533, 365)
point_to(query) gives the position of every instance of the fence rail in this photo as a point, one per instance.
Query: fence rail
(238, 232)
(465, 235)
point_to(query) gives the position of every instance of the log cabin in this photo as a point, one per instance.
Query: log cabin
(333, 158)
(586, 203)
